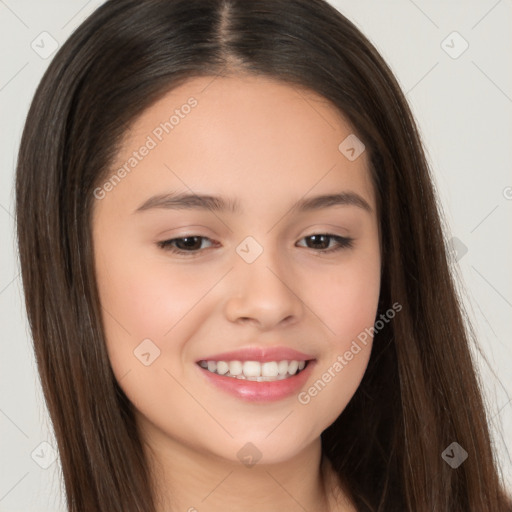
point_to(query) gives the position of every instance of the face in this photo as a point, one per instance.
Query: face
(266, 273)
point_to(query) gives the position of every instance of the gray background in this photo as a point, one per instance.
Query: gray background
(463, 104)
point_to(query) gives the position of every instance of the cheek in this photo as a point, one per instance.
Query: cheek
(141, 309)
(141, 300)
(353, 307)
(144, 298)
(348, 300)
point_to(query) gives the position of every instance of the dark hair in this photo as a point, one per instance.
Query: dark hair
(387, 443)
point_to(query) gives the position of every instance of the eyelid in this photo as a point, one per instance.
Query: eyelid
(341, 242)
(168, 233)
(165, 244)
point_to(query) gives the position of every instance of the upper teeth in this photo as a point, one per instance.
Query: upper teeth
(254, 370)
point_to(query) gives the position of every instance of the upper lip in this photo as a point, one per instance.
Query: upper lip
(261, 354)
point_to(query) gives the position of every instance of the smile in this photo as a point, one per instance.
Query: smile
(268, 371)
(254, 381)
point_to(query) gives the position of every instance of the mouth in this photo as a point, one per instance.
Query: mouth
(255, 381)
(256, 371)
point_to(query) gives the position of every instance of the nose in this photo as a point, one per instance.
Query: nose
(263, 293)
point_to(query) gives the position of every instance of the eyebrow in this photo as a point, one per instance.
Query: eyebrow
(184, 201)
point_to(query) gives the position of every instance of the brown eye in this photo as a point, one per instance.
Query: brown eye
(183, 245)
(321, 242)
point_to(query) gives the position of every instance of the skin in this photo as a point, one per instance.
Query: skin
(267, 144)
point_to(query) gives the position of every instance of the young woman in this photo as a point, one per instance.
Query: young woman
(235, 272)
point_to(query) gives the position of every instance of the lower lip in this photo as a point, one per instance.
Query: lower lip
(253, 391)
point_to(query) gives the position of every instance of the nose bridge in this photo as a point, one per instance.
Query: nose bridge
(263, 287)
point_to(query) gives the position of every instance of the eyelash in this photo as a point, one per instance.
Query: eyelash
(343, 243)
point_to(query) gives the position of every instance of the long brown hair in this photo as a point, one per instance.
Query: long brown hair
(420, 392)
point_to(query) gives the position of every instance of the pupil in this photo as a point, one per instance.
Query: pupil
(317, 237)
(190, 242)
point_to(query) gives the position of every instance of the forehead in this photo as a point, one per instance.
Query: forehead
(248, 137)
